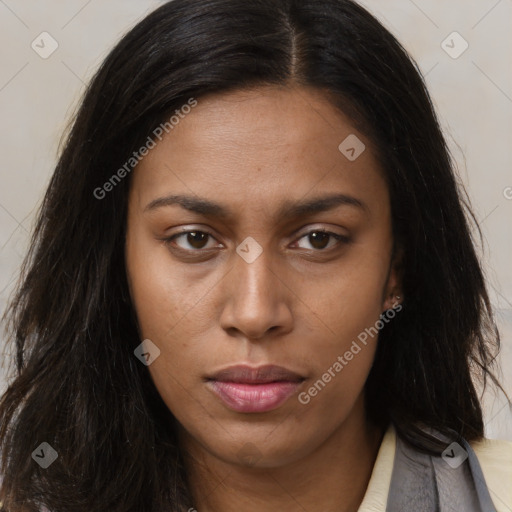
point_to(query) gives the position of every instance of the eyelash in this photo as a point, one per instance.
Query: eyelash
(341, 239)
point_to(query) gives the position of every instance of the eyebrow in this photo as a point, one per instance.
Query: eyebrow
(288, 210)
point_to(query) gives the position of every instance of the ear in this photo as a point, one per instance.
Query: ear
(393, 291)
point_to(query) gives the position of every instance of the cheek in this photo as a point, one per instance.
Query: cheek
(164, 314)
(346, 313)
(163, 294)
(172, 313)
(349, 298)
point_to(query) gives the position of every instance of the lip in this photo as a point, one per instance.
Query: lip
(251, 390)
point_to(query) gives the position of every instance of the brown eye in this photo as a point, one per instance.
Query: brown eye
(191, 240)
(320, 240)
(197, 239)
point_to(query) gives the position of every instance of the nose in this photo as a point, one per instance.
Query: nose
(257, 299)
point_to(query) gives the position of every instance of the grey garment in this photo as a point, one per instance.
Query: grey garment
(453, 482)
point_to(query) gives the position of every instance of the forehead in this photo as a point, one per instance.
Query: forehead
(261, 147)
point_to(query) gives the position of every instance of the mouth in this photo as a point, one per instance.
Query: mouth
(254, 390)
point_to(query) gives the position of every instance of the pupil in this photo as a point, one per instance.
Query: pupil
(319, 240)
(196, 239)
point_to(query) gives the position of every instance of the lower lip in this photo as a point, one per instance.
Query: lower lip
(253, 397)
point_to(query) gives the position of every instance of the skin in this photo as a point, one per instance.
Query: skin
(300, 304)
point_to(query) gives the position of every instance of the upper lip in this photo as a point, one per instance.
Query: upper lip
(245, 374)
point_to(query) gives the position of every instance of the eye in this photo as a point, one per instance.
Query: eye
(191, 240)
(195, 240)
(321, 239)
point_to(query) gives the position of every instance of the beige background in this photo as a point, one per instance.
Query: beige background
(473, 94)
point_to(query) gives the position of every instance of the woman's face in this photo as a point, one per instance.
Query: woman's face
(228, 266)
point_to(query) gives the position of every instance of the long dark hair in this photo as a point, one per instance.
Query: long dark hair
(77, 384)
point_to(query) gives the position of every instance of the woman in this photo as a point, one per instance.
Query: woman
(252, 284)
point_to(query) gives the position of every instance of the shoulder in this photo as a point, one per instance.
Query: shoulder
(495, 458)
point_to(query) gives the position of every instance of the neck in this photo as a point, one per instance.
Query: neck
(333, 478)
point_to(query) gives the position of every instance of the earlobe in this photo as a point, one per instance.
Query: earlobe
(394, 295)
(392, 302)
